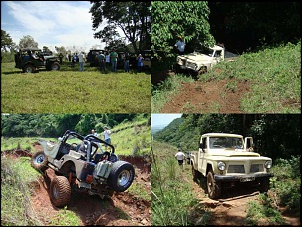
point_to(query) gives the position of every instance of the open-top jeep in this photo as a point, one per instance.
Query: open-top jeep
(31, 59)
(82, 165)
(227, 160)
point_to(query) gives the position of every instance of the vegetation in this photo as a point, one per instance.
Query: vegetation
(74, 92)
(273, 73)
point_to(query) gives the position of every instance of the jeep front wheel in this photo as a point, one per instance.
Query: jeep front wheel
(121, 176)
(29, 68)
(213, 187)
(55, 66)
(39, 161)
(60, 191)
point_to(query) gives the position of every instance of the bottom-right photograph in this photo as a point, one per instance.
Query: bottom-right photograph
(225, 169)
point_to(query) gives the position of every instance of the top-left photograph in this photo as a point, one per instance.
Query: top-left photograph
(75, 57)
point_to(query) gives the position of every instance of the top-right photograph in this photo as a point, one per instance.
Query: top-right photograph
(225, 57)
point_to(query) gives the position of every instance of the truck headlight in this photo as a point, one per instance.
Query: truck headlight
(221, 166)
(268, 164)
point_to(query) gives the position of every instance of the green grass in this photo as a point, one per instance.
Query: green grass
(71, 91)
(274, 75)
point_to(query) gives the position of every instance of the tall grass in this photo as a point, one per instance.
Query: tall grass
(71, 91)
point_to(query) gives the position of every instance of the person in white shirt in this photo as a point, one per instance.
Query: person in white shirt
(180, 157)
(107, 137)
(81, 57)
(180, 46)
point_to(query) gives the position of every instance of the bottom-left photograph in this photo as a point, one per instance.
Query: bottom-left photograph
(76, 169)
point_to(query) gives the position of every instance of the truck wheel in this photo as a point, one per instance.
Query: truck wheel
(195, 174)
(55, 66)
(202, 70)
(264, 185)
(29, 68)
(213, 188)
(60, 191)
(39, 161)
(121, 176)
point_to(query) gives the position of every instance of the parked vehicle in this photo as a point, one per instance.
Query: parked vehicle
(93, 57)
(228, 160)
(32, 59)
(82, 165)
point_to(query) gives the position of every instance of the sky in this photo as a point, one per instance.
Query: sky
(163, 119)
(50, 23)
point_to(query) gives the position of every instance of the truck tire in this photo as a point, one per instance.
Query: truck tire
(121, 176)
(60, 191)
(195, 174)
(55, 66)
(29, 68)
(202, 70)
(213, 188)
(39, 161)
(264, 185)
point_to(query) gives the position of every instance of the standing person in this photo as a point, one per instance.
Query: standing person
(81, 57)
(66, 57)
(180, 157)
(74, 60)
(180, 46)
(107, 137)
(127, 59)
(140, 63)
(102, 62)
(113, 58)
(61, 58)
(107, 59)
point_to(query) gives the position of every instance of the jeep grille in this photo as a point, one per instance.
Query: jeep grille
(236, 169)
(191, 65)
(256, 168)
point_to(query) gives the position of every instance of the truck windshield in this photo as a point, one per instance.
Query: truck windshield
(226, 142)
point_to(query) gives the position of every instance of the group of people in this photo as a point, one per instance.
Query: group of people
(106, 58)
(107, 135)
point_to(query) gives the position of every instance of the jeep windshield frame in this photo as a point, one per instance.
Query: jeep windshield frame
(222, 142)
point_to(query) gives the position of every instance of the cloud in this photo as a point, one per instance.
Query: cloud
(52, 23)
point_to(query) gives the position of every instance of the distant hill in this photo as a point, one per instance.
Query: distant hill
(157, 128)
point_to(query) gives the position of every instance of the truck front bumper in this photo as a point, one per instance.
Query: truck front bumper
(243, 178)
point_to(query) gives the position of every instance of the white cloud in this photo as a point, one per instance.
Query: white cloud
(52, 23)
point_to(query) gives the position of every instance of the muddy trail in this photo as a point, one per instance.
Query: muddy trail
(231, 208)
(205, 97)
(122, 209)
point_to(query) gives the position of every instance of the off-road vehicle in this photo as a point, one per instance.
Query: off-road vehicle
(32, 59)
(228, 160)
(81, 164)
(93, 56)
(202, 60)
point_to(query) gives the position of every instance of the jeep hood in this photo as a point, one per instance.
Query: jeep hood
(196, 57)
(49, 57)
(233, 153)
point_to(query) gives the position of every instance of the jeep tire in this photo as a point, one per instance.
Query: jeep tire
(29, 68)
(121, 176)
(55, 66)
(60, 191)
(39, 161)
(213, 188)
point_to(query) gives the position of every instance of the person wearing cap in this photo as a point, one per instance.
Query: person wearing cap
(180, 46)
(180, 157)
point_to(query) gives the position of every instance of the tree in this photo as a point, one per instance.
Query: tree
(28, 42)
(133, 18)
(188, 19)
(6, 42)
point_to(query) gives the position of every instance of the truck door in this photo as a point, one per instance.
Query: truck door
(201, 155)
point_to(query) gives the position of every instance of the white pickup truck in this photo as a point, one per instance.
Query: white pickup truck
(201, 61)
(227, 160)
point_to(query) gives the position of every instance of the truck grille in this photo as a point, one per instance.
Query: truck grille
(236, 169)
(191, 65)
(256, 168)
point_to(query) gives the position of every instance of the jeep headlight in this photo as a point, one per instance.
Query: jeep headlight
(221, 166)
(268, 164)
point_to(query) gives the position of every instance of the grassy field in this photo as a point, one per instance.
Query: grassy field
(71, 91)
(273, 73)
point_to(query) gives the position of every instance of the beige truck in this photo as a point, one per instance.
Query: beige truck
(201, 61)
(228, 160)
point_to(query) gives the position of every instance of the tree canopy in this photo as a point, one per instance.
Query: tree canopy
(6, 41)
(275, 135)
(28, 42)
(132, 18)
